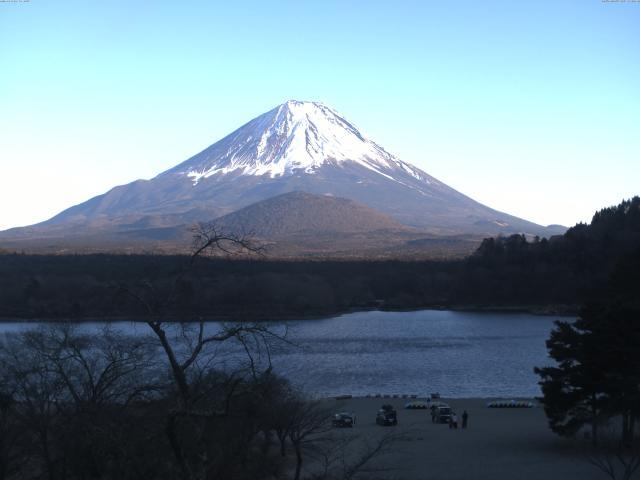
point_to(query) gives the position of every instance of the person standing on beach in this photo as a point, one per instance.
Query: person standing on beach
(465, 418)
(453, 422)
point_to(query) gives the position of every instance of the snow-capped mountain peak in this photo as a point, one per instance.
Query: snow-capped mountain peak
(293, 137)
(304, 147)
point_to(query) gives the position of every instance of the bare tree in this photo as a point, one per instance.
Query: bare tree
(185, 351)
(182, 353)
(108, 368)
(39, 395)
(11, 457)
(308, 422)
(351, 456)
(68, 391)
(617, 459)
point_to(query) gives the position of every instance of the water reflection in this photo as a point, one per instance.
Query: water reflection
(459, 354)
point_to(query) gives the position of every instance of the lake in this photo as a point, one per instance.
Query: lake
(458, 354)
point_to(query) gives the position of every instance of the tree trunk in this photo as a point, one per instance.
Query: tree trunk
(626, 430)
(175, 447)
(266, 443)
(594, 421)
(298, 461)
(44, 439)
(4, 460)
(282, 436)
(178, 373)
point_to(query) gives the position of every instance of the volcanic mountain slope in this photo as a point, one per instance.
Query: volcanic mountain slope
(297, 146)
(291, 225)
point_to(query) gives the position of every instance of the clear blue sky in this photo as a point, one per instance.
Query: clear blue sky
(531, 107)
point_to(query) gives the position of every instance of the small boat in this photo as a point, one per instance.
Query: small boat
(510, 404)
(416, 405)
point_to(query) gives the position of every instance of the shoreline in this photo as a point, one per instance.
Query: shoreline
(537, 310)
(425, 398)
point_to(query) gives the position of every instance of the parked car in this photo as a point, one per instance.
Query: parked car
(441, 413)
(387, 415)
(343, 420)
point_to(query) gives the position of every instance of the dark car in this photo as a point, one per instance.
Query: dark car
(343, 420)
(441, 413)
(387, 416)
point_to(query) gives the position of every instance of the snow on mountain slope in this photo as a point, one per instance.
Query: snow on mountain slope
(295, 136)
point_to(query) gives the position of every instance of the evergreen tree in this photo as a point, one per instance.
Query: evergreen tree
(573, 395)
(597, 376)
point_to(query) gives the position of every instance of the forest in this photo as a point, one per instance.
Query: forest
(545, 275)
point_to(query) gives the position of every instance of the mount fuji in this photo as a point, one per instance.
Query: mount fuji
(298, 146)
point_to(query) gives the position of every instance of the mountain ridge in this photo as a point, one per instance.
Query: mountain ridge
(297, 146)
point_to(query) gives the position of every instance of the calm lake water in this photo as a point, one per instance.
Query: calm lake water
(458, 354)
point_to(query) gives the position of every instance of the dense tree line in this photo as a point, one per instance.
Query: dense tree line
(504, 272)
(583, 257)
(87, 286)
(78, 287)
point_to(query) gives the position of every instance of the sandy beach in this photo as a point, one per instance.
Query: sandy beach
(498, 443)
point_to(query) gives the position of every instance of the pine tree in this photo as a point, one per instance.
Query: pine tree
(597, 376)
(572, 391)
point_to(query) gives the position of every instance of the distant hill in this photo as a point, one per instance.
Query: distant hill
(299, 224)
(300, 213)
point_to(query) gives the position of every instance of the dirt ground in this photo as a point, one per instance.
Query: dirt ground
(513, 444)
